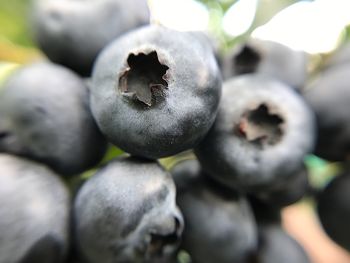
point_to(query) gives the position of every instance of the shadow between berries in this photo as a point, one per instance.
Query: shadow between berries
(247, 60)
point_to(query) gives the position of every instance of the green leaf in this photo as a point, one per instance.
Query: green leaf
(321, 172)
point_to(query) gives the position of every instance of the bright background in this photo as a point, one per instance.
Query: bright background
(317, 26)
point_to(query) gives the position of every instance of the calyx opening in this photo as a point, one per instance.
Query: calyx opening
(261, 127)
(159, 241)
(145, 78)
(247, 60)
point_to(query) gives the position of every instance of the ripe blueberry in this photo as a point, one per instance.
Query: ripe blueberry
(219, 224)
(72, 33)
(155, 91)
(127, 213)
(328, 95)
(45, 115)
(34, 208)
(261, 134)
(268, 58)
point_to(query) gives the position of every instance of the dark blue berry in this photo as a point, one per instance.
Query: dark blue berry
(155, 91)
(45, 115)
(72, 33)
(34, 208)
(127, 213)
(261, 134)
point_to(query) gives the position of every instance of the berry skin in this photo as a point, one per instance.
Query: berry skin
(34, 208)
(268, 58)
(219, 224)
(155, 91)
(328, 96)
(72, 33)
(334, 210)
(45, 115)
(261, 134)
(288, 192)
(127, 213)
(276, 246)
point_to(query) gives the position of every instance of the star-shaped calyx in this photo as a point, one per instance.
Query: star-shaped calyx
(144, 78)
(261, 126)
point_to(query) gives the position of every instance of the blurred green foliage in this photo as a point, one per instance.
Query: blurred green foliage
(266, 9)
(14, 22)
(16, 42)
(320, 171)
(347, 34)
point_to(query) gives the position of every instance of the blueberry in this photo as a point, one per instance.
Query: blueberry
(155, 91)
(34, 208)
(328, 95)
(45, 115)
(334, 210)
(72, 33)
(268, 58)
(261, 134)
(219, 223)
(276, 246)
(127, 213)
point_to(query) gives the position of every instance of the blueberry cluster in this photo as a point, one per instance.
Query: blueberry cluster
(239, 129)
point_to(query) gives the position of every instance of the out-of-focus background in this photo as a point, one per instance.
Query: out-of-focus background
(317, 27)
